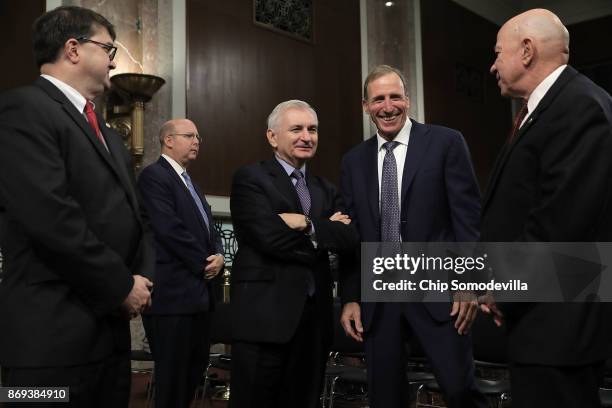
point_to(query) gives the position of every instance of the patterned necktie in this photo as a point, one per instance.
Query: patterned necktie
(93, 121)
(389, 197)
(304, 196)
(302, 191)
(520, 115)
(197, 200)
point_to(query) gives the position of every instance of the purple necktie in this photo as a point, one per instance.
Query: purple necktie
(302, 191)
(389, 197)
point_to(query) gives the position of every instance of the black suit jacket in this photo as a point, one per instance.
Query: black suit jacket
(553, 183)
(71, 233)
(271, 268)
(440, 199)
(181, 242)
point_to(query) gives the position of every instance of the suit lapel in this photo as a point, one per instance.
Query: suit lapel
(370, 175)
(283, 183)
(164, 163)
(417, 148)
(567, 74)
(316, 195)
(115, 147)
(80, 120)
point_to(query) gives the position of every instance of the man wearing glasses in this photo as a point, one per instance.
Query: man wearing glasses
(189, 256)
(74, 241)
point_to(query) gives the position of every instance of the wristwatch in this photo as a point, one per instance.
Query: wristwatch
(308, 224)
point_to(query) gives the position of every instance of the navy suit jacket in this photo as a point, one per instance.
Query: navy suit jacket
(440, 198)
(181, 242)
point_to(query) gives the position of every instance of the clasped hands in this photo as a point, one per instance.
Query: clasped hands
(298, 221)
(139, 297)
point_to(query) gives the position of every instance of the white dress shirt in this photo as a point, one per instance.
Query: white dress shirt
(540, 91)
(400, 156)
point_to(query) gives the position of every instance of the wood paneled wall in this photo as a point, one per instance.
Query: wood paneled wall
(237, 72)
(460, 92)
(16, 19)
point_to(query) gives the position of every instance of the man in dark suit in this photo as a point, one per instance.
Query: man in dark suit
(286, 221)
(413, 183)
(189, 254)
(74, 243)
(551, 182)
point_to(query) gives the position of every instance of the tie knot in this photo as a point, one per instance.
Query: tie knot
(186, 176)
(389, 146)
(89, 107)
(297, 174)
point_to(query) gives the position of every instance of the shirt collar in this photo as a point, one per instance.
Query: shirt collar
(540, 91)
(177, 167)
(402, 137)
(72, 94)
(289, 168)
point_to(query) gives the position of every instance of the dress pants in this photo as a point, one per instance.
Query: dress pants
(449, 354)
(180, 346)
(553, 387)
(102, 384)
(266, 375)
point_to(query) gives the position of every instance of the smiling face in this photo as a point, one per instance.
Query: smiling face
(296, 136)
(387, 105)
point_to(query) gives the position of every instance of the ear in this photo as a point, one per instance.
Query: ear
(71, 50)
(169, 141)
(271, 138)
(364, 105)
(528, 52)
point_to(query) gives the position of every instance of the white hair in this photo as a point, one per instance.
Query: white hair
(274, 116)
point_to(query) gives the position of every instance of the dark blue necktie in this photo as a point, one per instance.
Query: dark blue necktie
(389, 197)
(196, 198)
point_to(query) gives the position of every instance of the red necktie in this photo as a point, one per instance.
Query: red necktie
(93, 121)
(520, 115)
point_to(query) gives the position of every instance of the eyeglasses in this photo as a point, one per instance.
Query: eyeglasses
(189, 136)
(111, 50)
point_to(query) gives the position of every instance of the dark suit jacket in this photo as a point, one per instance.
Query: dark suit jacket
(71, 233)
(440, 199)
(181, 242)
(271, 268)
(554, 184)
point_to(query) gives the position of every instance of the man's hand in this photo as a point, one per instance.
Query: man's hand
(343, 218)
(465, 307)
(488, 306)
(294, 221)
(139, 297)
(352, 312)
(215, 263)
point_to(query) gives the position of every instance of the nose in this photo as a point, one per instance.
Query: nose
(493, 70)
(388, 106)
(112, 64)
(305, 135)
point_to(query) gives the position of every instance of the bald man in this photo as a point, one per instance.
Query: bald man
(189, 256)
(551, 182)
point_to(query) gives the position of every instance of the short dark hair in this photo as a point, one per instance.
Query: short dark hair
(379, 71)
(51, 30)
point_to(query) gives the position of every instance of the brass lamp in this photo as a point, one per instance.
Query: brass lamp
(137, 89)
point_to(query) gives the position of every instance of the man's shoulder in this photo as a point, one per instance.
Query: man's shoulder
(257, 169)
(31, 95)
(155, 170)
(358, 150)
